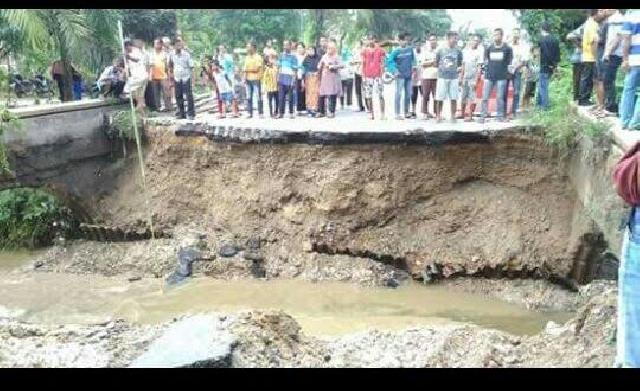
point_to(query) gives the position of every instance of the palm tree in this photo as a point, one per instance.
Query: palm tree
(66, 29)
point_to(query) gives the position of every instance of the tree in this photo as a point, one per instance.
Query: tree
(149, 24)
(65, 29)
(561, 21)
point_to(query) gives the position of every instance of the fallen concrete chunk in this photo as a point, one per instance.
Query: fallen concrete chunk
(197, 341)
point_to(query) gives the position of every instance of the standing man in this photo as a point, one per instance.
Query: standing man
(575, 37)
(449, 60)
(253, 65)
(287, 71)
(520, 58)
(373, 60)
(429, 74)
(346, 78)
(57, 70)
(589, 48)
(630, 105)
(404, 60)
(472, 59)
(600, 18)
(356, 63)
(158, 76)
(498, 56)
(549, 59)
(168, 87)
(181, 70)
(612, 58)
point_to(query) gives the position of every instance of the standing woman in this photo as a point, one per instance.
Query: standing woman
(311, 80)
(300, 97)
(330, 86)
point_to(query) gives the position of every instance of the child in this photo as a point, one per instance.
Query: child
(225, 90)
(533, 73)
(270, 83)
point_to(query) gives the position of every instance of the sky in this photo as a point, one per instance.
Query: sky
(487, 18)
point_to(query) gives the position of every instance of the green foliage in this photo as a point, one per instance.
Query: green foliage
(7, 120)
(561, 21)
(26, 217)
(563, 126)
(149, 24)
(121, 121)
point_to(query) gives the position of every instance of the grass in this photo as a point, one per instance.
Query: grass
(562, 125)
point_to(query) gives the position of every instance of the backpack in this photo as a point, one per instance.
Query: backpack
(626, 176)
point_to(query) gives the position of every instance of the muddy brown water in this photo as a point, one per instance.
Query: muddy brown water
(323, 308)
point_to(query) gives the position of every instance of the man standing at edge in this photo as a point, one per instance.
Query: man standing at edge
(549, 59)
(498, 56)
(449, 60)
(253, 74)
(629, 104)
(287, 71)
(181, 70)
(589, 48)
(404, 59)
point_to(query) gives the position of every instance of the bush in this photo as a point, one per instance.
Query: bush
(562, 125)
(27, 216)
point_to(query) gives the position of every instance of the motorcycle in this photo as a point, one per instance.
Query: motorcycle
(20, 86)
(43, 87)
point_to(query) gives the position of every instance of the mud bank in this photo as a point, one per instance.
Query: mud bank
(506, 206)
(274, 339)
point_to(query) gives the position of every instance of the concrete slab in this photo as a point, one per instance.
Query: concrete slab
(54, 108)
(625, 139)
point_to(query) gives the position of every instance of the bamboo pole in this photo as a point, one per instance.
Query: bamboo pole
(137, 134)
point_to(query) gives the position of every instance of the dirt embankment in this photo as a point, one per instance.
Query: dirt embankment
(505, 205)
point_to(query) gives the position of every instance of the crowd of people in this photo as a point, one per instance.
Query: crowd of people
(311, 81)
(607, 41)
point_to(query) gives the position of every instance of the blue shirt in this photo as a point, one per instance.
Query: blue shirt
(403, 58)
(288, 66)
(226, 61)
(632, 27)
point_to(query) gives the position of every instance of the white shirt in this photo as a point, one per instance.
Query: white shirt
(221, 81)
(427, 54)
(520, 55)
(471, 58)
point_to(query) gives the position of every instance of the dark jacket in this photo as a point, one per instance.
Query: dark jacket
(310, 63)
(549, 53)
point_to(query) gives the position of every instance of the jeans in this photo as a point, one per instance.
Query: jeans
(300, 97)
(184, 88)
(358, 83)
(542, 100)
(517, 83)
(586, 82)
(403, 83)
(629, 105)
(156, 87)
(628, 333)
(272, 98)
(609, 79)
(254, 85)
(577, 74)
(500, 86)
(283, 91)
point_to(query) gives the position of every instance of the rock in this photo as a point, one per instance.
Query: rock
(255, 256)
(227, 250)
(134, 278)
(196, 341)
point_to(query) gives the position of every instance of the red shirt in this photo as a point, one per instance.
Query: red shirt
(372, 62)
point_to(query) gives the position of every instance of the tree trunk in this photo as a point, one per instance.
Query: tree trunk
(319, 19)
(67, 75)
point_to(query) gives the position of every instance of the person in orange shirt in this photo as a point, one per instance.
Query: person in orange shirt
(158, 75)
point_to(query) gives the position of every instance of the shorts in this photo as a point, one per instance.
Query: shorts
(447, 89)
(530, 89)
(370, 83)
(468, 90)
(226, 97)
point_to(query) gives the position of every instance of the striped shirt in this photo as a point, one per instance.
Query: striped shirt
(632, 27)
(613, 27)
